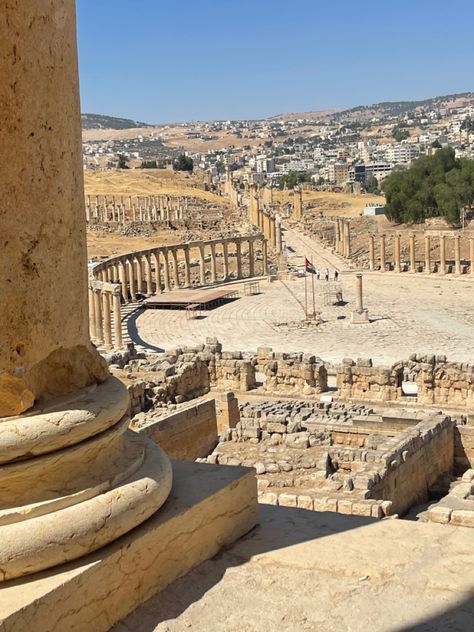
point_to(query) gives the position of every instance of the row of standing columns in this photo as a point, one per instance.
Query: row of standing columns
(105, 319)
(266, 222)
(121, 279)
(428, 263)
(135, 208)
(342, 242)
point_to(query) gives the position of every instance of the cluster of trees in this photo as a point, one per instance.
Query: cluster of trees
(400, 133)
(122, 162)
(433, 186)
(371, 185)
(149, 164)
(183, 163)
(292, 178)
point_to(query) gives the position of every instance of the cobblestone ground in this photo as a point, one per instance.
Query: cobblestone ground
(409, 313)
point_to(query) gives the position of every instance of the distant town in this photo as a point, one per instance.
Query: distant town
(348, 150)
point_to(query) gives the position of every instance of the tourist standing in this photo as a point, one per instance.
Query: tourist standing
(326, 274)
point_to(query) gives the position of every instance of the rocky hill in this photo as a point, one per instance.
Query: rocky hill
(101, 121)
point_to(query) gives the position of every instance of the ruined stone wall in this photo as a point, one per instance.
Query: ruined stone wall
(363, 381)
(463, 448)
(414, 460)
(186, 434)
(291, 373)
(439, 382)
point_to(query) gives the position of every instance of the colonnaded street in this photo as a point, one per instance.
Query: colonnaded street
(408, 312)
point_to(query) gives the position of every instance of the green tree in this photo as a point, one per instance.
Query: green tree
(371, 185)
(149, 164)
(183, 163)
(292, 178)
(122, 162)
(400, 134)
(433, 186)
(436, 144)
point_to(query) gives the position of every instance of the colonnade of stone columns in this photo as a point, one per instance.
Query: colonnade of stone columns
(342, 240)
(428, 264)
(267, 222)
(120, 279)
(136, 208)
(297, 203)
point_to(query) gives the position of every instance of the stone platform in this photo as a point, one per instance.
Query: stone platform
(209, 508)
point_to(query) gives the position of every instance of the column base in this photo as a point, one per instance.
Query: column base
(209, 507)
(360, 318)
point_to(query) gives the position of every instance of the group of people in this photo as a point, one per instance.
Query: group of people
(319, 274)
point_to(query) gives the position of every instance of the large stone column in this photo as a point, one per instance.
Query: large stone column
(371, 253)
(397, 253)
(347, 240)
(107, 321)
(471, 253)
(139, 263)
(251, 259)
(118, 343)
(427, 254)
(442, 254)
(202, 265)
(166, 269)
(457, 254)
(213, 263)
(148, 274)
(382, 253)
(174, 256)
(264, 256)
(72, 477)
(412, 253)
(131, 277)
(225, 261)
(187, 267)
(157, 266)
(122, 269)
(238, 256)
(359, 315)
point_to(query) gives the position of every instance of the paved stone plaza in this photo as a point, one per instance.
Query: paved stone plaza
(428, 315)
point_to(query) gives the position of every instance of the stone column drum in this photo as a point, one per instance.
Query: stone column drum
(72, 477)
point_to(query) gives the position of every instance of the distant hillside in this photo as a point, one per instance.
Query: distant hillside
(395, 108)
(100, 121)
(364, 113)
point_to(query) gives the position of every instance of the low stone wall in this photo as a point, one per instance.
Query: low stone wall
(438, 381)
(360, 380)
(463, 448)
(186, 434)
(291, 373)
(232, 371)
(411, 463)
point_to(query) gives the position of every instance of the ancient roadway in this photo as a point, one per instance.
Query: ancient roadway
(409, 313)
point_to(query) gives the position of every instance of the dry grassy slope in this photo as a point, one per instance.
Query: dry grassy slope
(147, 182)
(342, 204)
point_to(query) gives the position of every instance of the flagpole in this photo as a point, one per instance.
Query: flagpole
(305, 295)
(314, 304)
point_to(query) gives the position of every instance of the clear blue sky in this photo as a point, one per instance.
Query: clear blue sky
(183, 60)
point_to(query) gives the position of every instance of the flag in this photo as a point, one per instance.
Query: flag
(308, 266)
